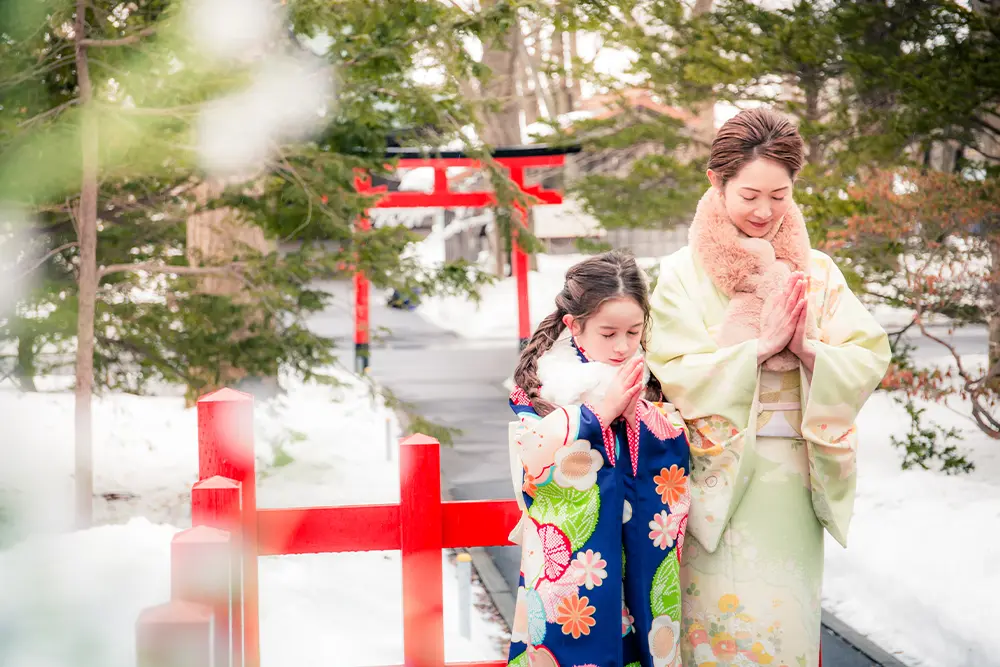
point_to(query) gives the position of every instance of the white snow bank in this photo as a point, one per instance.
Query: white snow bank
(346, 609)
(73, 599)
(920, 576)
(146, 448)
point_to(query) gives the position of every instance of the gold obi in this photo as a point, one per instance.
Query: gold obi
(780, 405)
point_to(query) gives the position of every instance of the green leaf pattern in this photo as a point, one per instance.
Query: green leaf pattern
(574, 512)
(519, 661)
(665, 595)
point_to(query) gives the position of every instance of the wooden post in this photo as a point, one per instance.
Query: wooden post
(200, 572)
(216, 502)
(362, 311)
(519, 262)
(176, 634)
(421, 540)
(225, 448)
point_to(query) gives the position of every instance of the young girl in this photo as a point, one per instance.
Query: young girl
(604, 483)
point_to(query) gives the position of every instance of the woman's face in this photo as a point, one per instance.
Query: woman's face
(757, 197)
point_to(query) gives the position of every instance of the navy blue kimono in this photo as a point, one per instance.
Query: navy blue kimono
(606, 510)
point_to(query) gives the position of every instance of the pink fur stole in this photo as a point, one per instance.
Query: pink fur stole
(752, 272)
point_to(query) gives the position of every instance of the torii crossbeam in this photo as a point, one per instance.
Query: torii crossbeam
(514, 160)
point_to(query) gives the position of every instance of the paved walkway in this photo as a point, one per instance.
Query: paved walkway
(459, 383)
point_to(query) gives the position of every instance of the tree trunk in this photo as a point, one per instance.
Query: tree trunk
(703, 128)
(215, 236)
(503, 127)
(815, 144)
(575, 90)
(994, 320)
(543, 86)
(560, 91)
(87, 296)
(26, 361)
(992, 232)
(529, 96)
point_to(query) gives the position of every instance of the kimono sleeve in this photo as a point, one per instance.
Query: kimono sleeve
(537, 440)
(713, 388)
(536, 444)
(852, 355)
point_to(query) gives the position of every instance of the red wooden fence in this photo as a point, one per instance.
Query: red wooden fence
(212, 617)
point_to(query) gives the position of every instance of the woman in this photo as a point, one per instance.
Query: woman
(768, 356)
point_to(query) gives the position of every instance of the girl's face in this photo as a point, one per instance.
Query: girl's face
(612, 334)
(757, 197)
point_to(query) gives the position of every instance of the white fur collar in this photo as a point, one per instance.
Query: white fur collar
(566, 379)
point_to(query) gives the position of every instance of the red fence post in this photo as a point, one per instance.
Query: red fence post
(216, 502)
(200, 564)
(362, 311)
(362, 323)
(519, 261)
(225, 448)
(421, 538)
(176, 634)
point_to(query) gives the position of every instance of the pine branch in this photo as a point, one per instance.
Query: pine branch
(122, 41)
(160, 267)
(147, 354)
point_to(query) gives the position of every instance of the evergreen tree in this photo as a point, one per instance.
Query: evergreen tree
(111, 119)
(878, 86)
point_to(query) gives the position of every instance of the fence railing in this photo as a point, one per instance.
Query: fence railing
(212, 617)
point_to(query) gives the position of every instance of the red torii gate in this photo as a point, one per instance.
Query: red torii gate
(515, 160)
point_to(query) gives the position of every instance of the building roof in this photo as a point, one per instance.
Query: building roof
(565, 221)
(610, 105)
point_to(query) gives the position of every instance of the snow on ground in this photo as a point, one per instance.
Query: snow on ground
(495, 317)
(315, 445)
(920, 576)
(72, 599)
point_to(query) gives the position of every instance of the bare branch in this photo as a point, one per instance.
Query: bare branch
(122, 41)
(176, 112)
(160, 267)
(38, 72)
(899, 334)
(979, 149)
(47, 257)
(983, 123)
(72, 217)
(984, 420)
(980, 413)
(47, 114)
(951, 348)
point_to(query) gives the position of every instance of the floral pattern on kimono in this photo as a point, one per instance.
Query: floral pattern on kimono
(606, 514)
(766, 483)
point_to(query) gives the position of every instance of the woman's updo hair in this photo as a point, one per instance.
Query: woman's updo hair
(753, 134)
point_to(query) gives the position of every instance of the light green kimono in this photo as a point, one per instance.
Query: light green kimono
(752, 575)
